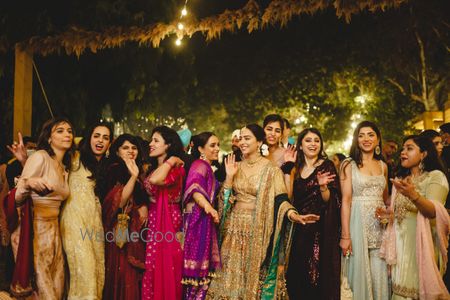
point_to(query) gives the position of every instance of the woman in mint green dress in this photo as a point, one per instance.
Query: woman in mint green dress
(364, 189)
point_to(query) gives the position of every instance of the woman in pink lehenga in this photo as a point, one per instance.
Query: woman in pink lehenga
(164, 257)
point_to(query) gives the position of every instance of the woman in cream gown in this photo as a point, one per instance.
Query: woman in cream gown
(81, 219)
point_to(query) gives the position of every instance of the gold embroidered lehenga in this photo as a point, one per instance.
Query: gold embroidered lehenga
(252, 239)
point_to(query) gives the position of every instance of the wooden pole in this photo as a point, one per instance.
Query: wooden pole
(23, 85)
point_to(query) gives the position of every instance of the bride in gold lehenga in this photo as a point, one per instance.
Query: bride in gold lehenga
(253, 208)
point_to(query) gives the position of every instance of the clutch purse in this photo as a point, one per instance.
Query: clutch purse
(346, 291)
(121, 229)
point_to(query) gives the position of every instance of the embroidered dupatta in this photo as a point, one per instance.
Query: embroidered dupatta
(201, 251)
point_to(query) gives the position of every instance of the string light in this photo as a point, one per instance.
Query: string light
(180, 25)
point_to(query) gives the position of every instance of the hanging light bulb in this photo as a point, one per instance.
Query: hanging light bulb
(180, 26)
(184, 11)
(178, 42)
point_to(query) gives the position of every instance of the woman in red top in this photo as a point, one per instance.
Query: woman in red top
(164, 184)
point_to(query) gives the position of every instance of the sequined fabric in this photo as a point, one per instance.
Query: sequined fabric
(82, 236)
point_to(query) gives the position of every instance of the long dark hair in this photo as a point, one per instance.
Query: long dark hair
(200, 140)
(103, 176)
(170, 138)
(87, 157)
(46, 133)
(355, 151)
(430, 162)
(300, 162)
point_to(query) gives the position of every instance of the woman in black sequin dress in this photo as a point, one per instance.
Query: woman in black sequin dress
(314, 262)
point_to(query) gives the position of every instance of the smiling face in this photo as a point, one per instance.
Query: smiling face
(367, 139)
(61, 137)
(248, 142)
(100, 140)
(211, 148)
(411, 156)
(127, 150)
(158, 146)
(273, 133)
(311, 145)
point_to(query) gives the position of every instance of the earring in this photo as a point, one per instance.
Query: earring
(203, 156)
(377, 150)
(49, 141)
(421, 166)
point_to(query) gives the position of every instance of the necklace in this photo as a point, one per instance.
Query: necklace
(251, 163)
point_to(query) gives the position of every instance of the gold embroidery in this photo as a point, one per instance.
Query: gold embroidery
(405, 292)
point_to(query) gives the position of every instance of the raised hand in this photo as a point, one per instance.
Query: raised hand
(325, 178)
(132, 167)
(405, 187)
(231, 165)
(290, 154)
(18, 150)
(176, 161)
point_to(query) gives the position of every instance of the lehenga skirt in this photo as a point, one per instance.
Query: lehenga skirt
(230, 282)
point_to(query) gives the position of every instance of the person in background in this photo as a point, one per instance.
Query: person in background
(15, 165)
(445, 134)
(185, 137)
(436, 138)
(390, 147)
(337, 159)
(286, 140)
(235, 138)
(273, 126)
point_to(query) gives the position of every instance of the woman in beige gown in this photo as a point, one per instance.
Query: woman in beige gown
(81, 219)
(45, 180)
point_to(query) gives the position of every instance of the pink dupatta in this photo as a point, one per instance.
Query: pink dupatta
(168, 260)
(431, 285)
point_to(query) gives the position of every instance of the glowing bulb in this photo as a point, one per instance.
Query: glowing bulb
(354, 125)
(184, 12)
(180, 26)
(178, 42)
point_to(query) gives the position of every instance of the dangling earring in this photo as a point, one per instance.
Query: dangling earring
(203, 156)
(49, 141)
(421, 166)
(377, 150)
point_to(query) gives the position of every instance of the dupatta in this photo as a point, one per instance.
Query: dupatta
(201, 253)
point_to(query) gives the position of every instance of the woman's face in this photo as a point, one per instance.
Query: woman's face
(61, 137)
(367, 139)
(248, 143)
(437, 141)
(311, 145)
(273, 133)
(100, 140)
(127, 150)
(211, 149)
(158, 145)
(411, 156)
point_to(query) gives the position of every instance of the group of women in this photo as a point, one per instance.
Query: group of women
(277, 227)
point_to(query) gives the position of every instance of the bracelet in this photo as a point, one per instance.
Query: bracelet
(287, 167)
(415, 199)
(167, 162)
(323, 190)
(345, 238)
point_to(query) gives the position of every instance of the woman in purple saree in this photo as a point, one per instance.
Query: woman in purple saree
(201, 247)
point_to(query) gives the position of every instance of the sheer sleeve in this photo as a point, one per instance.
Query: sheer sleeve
(34, 167)
(437, 188)
(196, 181)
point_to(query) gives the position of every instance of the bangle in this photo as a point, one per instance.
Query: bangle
(287, 167)
(323, 190)
(167, 162)
(345, 238)
(414, 200)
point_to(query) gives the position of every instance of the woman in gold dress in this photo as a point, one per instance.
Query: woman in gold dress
(253, 214)
(81, 218)
(45, 180)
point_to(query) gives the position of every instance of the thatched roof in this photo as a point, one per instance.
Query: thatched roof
(251, 16)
